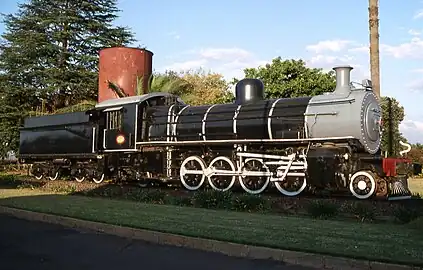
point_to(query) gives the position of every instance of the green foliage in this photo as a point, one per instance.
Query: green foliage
(292, 78)
(194, 87)
(49, 52)
(151, 196)
(397, 117)
(406, 214)
(363, 211)
(322, 209)
(250, 203)
(170, 82)
(212, 199)
(180, 201)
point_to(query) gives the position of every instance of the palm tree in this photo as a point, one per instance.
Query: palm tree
(374, 45)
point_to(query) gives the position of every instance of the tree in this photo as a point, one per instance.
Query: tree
(49, 55)
(206, 88)
(397, 116)
(292, 78)
(374, 44)
(194, 87)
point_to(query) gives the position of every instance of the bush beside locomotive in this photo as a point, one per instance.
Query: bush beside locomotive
(297, 144)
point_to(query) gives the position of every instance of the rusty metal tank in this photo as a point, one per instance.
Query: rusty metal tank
(123, 66)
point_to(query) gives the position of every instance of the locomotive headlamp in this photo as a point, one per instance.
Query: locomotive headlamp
(120, 139)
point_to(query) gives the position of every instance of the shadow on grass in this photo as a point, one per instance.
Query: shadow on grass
(328, 237)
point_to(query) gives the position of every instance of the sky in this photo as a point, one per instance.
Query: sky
(228, 36)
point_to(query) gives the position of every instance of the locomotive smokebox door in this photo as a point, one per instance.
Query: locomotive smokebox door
(119, 127)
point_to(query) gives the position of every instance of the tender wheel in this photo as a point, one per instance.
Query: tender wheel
(292, 185)
(37, 172)
(221, 180)
(79, 179)
(192, 173)
(79, 176)
(254, 179)
(98, 179)
(54, 176)
(363, 184)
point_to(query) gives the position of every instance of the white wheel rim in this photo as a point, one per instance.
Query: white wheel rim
(55, 176)
(38, 177)
(372, 181)
(210, 176)
(291, 193)
(98, 181)
(183, 171)
(79, 180)
(241, 182)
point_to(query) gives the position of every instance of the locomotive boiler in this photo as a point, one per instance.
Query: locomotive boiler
(329, 141)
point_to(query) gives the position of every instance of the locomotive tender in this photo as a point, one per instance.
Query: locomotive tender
(326, 141)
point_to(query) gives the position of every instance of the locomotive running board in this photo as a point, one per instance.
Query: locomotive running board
(241, 141)
(397, 198)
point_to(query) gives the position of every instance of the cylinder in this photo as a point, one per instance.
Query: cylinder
(123, 67)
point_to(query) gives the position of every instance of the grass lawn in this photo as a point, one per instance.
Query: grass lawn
(390, 243)
(416, 185)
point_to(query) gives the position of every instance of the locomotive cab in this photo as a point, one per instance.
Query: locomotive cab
(122, 122)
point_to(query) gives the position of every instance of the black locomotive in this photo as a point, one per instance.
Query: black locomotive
(326, 141)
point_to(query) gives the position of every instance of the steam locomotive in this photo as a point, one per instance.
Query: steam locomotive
(329, 141)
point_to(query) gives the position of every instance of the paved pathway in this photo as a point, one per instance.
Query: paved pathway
(36, 245)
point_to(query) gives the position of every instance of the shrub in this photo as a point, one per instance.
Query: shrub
(180, 201)
(362, 211)
(322, 209)
(416, 224)
(406, 214)
(212, 199)
(250, 202)
(151, 196)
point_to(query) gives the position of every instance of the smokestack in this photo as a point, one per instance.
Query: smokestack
(343, 76)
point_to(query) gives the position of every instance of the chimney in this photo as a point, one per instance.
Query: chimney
(343, 75)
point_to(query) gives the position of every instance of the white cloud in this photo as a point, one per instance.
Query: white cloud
(415, 86)
(224, 53)
(360, 49)
(412, 49)
(327, 62)
(412, 130)
(418, 14)
(174, 35)
(334, 45)
(414, 32)
(187, 65)
(230, 62)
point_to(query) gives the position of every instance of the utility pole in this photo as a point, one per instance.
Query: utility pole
(374, 45)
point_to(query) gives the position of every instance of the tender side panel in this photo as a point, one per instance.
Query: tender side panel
(251, 121)
(189, 123)
(219, 122)
(287, 118)
(56, 119)
(62, 134)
